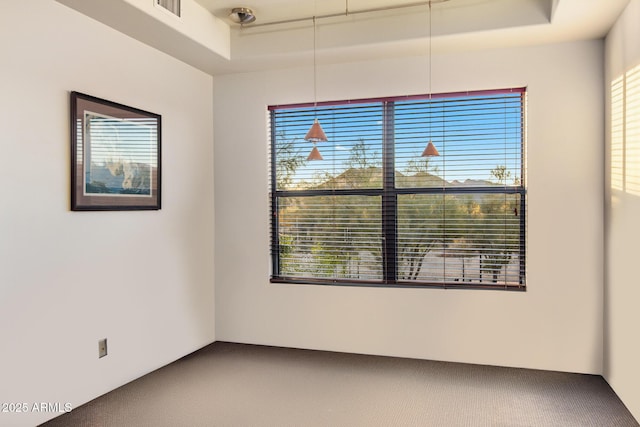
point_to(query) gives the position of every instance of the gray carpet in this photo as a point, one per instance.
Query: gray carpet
(228, 384)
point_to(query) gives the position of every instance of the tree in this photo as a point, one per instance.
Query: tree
(497, 234)
(363, 167)
(418, 165)
(422, 228)
(287, 257)
(342, 231)
(420, 217)
(289, 159)
(340, 234)
(501, 173)
(361, 157)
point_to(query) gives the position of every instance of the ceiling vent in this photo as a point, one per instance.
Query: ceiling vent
(172, 6)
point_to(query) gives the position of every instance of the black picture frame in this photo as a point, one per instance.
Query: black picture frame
(115, 156)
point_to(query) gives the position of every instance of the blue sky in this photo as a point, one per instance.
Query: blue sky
(472, 134)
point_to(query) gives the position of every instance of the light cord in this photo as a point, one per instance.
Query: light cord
(315, 89)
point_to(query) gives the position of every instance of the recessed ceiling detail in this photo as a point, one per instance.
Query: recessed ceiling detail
(346, 11)
(206, 38)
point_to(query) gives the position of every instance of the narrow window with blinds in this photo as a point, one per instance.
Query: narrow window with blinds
(373, 211)
(172, 6)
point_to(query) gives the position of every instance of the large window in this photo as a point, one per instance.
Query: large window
(374, 211)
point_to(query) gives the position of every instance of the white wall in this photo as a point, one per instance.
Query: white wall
(622, 232)
(556, 324)
(144, 280)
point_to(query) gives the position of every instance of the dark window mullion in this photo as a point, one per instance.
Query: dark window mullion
(331, 192)
(389, 198)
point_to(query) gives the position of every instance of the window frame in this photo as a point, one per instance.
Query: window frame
(389, 199)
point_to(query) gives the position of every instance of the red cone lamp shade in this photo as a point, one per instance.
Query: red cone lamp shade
(430, 150)
(316, 133)
(315, 154)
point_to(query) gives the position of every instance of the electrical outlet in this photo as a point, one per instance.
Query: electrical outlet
(102, 348)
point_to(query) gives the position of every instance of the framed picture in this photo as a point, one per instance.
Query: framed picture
(115, 156)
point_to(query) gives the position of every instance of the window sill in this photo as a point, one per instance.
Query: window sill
(397, 284)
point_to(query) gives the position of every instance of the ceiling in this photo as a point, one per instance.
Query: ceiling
(456, 25)
(208, 40)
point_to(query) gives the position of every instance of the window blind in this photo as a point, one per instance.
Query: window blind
(374, 211)
(172, 6)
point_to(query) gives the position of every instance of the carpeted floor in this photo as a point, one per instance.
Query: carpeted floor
(228, 384)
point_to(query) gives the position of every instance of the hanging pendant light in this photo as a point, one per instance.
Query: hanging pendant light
(315, 154)
(315, 134)
(430, 150)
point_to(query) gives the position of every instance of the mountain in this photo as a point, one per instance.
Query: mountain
(371, 177)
